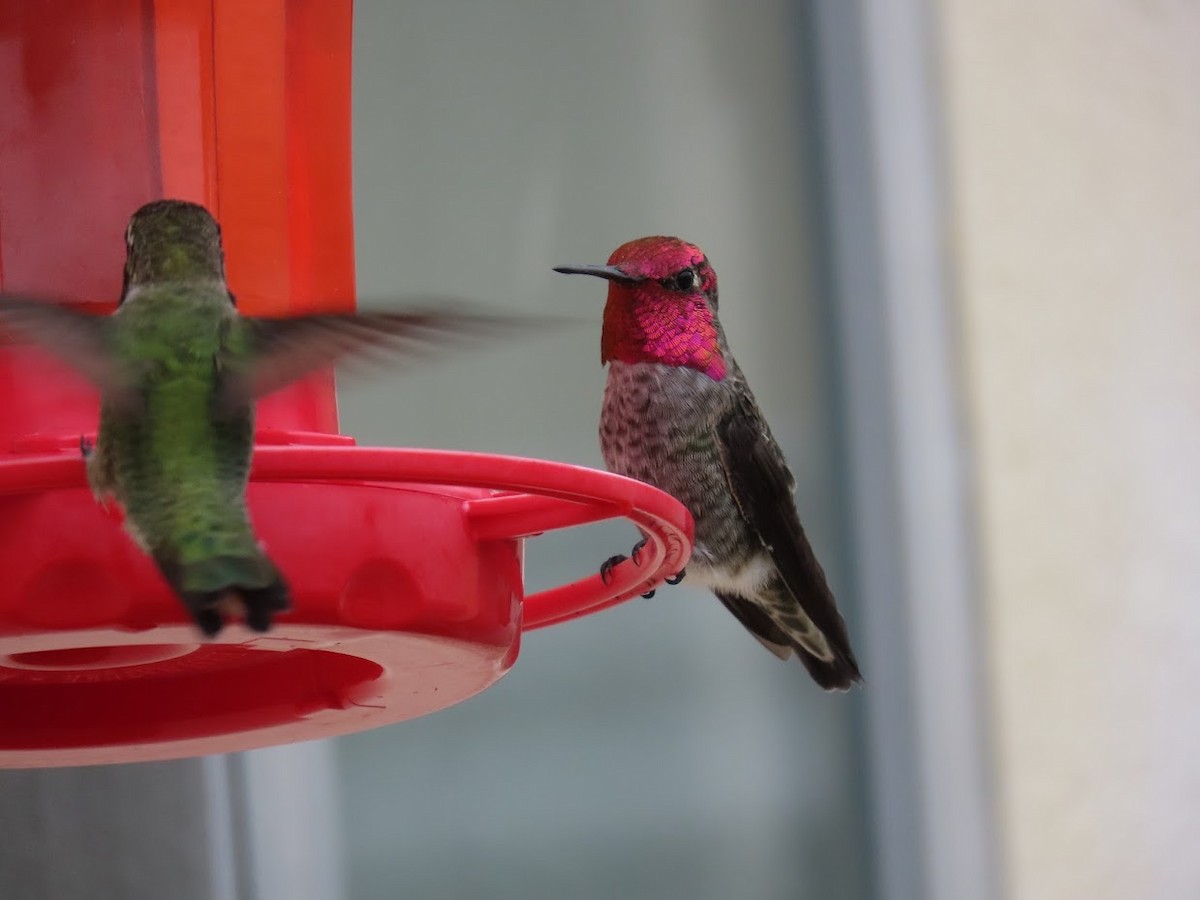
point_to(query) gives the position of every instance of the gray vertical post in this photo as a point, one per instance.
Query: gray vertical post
(149, 830)
(292, 846)
(263, 824)
(912, 534)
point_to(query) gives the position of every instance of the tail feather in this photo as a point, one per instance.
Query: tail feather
(215, 586)
(838, 672)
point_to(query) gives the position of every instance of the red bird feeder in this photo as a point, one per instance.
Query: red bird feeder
(406, 565)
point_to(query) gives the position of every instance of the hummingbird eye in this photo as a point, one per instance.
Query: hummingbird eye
(684, 281)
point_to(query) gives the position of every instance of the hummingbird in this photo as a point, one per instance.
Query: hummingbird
(678, 414)
(179, 371)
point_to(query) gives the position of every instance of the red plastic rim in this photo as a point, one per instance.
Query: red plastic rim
(406, 569)
(532, 496)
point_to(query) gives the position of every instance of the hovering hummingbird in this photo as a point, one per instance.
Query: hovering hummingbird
(679, 415)
(179, 372)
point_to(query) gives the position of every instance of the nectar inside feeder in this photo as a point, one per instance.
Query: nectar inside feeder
(405, 565)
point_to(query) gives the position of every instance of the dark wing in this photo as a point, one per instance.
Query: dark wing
(280, 351)
(81, 341)
(762, 486)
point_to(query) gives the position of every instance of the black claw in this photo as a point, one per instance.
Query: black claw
(85, 446)
(261, 605)
(648, 594)
(607, 566)
(209, 621)
(636, 552)
(203, 607)
(258, 619)
(675, 579)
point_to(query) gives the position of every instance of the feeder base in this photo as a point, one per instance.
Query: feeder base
(408, 590)
(81, 698)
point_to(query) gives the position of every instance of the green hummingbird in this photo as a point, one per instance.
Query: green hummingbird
(179, 372)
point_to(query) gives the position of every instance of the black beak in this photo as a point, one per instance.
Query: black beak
(610, 273)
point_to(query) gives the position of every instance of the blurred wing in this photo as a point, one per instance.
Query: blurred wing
(280, 351)
(81, 341)
(762, 487)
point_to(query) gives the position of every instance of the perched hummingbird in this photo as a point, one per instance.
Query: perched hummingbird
(179, 371)
(678, 414)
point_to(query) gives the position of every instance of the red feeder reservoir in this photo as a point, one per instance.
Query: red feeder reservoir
(406, 565)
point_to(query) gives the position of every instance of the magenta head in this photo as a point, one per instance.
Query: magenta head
(661, 308)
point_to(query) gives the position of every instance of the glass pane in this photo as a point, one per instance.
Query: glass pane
(656, 749)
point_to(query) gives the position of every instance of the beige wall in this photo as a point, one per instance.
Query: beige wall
(1073, 138)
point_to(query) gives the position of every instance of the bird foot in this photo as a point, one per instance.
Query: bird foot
(262, 607)
(86, 447)
(675, 579)
(257, 607)
(636, 554)
(209, 621)
(609, 564)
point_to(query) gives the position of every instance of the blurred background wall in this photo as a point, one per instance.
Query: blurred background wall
(1073, 139)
